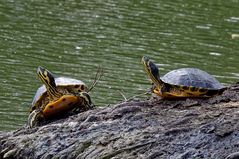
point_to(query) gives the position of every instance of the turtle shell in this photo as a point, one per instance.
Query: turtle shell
(72, 85)
(192, 77)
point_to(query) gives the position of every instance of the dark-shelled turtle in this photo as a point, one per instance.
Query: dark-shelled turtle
(184, 82)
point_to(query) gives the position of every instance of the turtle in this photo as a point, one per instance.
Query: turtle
(183, 82)
(57, 96)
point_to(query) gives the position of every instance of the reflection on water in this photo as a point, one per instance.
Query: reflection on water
(73, 38)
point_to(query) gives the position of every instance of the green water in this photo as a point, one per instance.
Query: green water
(72, 38)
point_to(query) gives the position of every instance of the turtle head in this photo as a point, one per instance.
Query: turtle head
(46, 77)
(86, 99)
(152, 70)
(48, 80)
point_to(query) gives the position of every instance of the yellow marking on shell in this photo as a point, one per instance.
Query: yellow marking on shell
(183, 88)
(82, 88)
(190, 91)
(65, 103)
(74, 88)
(182, 91)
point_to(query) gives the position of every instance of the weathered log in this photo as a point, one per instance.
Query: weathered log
(155, 128)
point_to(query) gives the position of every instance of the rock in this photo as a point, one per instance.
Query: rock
(155, 128)
(233, 156)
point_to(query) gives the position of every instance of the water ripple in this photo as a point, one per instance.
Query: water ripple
(73, 38)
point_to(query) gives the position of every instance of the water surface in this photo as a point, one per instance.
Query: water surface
(72, 38)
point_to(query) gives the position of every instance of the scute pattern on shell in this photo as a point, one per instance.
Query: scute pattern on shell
(192, 77)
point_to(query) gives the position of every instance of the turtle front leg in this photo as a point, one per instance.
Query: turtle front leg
(85, 101)
(34, 117)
